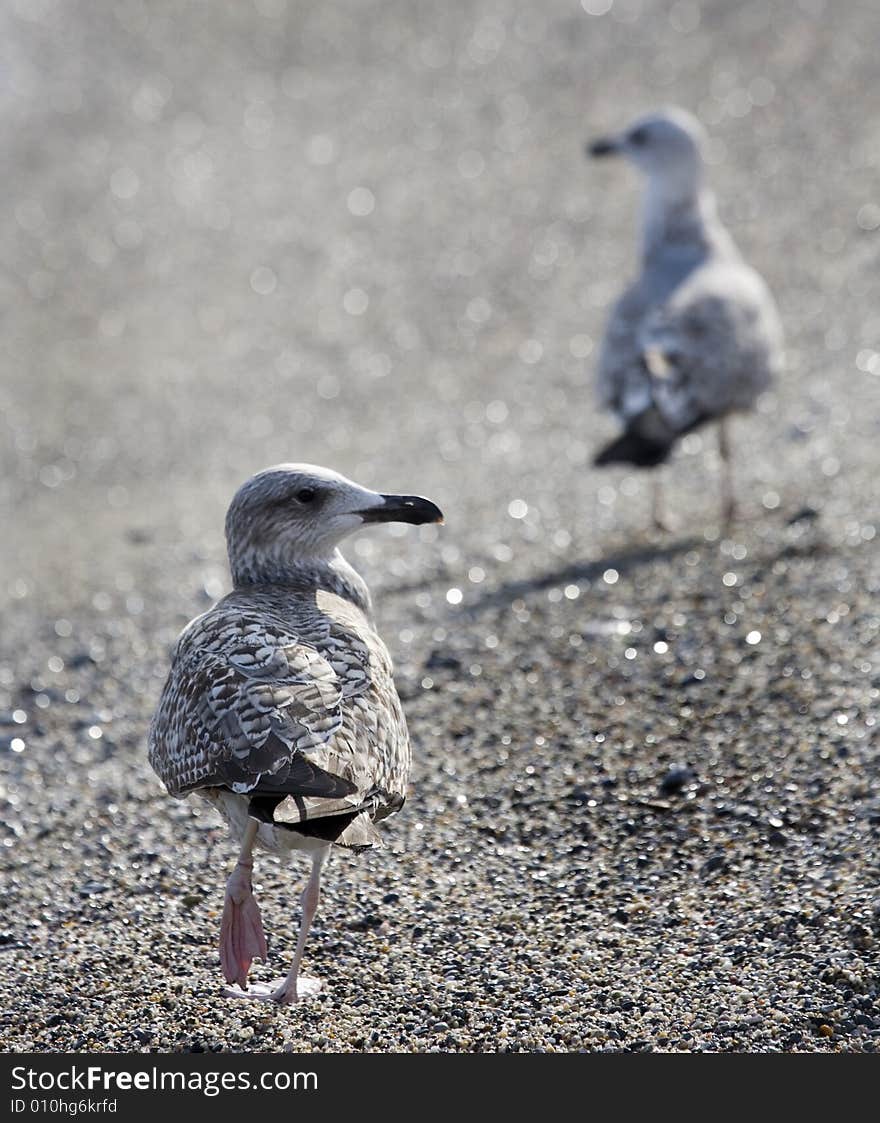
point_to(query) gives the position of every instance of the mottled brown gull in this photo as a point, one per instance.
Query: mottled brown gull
(696, 337)
(280, 706)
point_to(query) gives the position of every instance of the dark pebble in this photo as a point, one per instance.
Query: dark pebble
(678, 777)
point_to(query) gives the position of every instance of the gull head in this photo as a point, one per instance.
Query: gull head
(298, 513)
(665, 146)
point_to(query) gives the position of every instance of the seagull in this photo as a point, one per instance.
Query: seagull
(280, 707)
(696, 337)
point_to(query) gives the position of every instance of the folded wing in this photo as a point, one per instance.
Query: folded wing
(287, 715)
(712, 347)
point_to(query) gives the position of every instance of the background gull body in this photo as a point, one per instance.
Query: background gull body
(696, 337)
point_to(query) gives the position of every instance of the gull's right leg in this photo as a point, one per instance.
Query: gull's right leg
(241, 930)
(657, 520)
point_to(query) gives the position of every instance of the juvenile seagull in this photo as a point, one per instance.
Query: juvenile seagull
(696, 337)
(280, 707)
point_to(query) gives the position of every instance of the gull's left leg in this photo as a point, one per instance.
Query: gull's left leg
(296, 987)
(728, 500)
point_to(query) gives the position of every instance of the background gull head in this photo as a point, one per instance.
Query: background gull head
(665, 146)
(295, 513)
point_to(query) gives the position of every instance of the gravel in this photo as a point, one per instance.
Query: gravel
(645, 806)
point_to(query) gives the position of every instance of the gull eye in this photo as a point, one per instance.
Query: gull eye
(306, 494)
(639, 137)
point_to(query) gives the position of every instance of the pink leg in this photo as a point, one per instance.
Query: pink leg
(295, 987)
(728, 499)
(241, 930)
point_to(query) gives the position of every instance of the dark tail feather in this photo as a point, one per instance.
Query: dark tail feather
(352, 829)
(646, 442)
(633, 447)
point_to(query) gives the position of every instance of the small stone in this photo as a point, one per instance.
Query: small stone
(860, 936)
(678, 777)
(92, 889)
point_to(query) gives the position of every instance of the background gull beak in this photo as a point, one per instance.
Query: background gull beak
(403, 509)
(604, 146)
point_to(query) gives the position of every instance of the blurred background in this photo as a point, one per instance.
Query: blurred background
(363, 233)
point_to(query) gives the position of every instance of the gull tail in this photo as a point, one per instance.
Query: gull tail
(646, 442)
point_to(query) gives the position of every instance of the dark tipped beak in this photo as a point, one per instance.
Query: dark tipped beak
(604, 146)
(403, 509)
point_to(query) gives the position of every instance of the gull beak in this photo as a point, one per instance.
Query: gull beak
(604, 146)
(403, 509)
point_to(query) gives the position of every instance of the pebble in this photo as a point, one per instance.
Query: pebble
(677, 778)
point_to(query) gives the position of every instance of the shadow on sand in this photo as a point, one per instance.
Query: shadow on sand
(623, 562)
